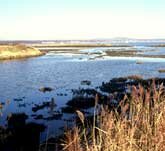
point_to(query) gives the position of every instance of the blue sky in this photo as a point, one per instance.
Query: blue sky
(81, 19)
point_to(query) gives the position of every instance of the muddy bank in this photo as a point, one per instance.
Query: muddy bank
(109, 93)
(161, 70)
(132, 53)
(20, 135)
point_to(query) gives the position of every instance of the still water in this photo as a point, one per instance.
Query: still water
(21, 79)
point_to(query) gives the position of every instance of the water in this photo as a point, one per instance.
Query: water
(63, 72)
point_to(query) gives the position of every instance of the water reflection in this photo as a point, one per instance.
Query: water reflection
(21, 80)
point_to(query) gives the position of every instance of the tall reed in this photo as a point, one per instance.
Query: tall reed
(137, 124)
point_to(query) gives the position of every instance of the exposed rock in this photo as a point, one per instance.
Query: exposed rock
(46, 89)
(85, 82)
(18, 99)
(50, 104)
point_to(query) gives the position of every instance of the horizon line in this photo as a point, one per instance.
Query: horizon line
(84, 39)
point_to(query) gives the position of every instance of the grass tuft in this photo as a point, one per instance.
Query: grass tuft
(137, 124)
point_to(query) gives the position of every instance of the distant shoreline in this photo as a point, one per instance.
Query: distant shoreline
(77, 45)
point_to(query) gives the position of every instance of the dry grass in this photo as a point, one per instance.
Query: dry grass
(17, 51)
(135, 77)
(137, 125)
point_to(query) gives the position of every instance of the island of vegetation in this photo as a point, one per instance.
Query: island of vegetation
(18, 51)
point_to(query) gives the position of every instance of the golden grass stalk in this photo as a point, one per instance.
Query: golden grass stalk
(138, 126)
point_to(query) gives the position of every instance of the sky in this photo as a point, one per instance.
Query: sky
(81, 19)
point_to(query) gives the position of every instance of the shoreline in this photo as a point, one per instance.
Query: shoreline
(10, 52)
(116, 88)
(78, 45)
